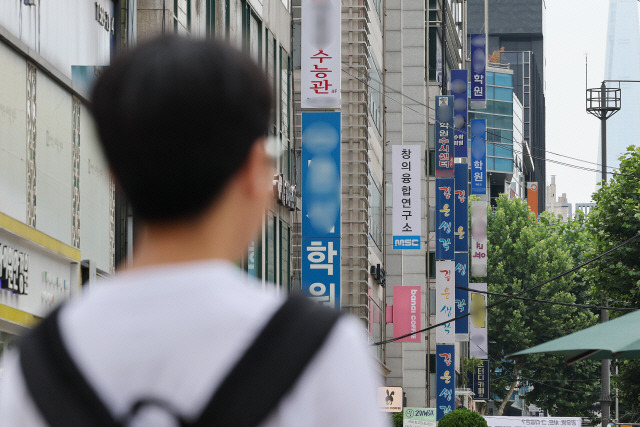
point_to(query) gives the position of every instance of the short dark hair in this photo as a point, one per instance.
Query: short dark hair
(177, 118)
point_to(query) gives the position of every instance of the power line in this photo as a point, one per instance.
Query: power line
(489, 132)
(544, 301)
(462, 316)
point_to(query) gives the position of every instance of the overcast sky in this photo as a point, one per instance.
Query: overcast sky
(573, 29)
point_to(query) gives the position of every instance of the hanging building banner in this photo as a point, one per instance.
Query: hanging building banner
(479, 238)
(478, 72)
(459, 80)
(532, 197)
(479, 381)
(320, 40)
(462, 295)
(445, 380)
(444, 136)
(479, 156)
(406, 313)
(461, 208)
(445, 302)
(321, 195)
(406, 167)
(445, 215)
(478, 338)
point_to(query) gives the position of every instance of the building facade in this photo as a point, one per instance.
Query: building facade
(56, 197)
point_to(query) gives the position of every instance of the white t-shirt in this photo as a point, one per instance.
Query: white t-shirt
(175, 331)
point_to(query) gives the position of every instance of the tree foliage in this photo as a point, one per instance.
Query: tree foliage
(523, 252)
(462, 418)
(615, 279)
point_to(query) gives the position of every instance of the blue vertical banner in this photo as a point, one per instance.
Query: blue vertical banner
(321, 195)
(445, 215)
(461, 223)
(459, 79)
(444, 136)
(479, 156)
(479, 381)
(445, 380)
(462, 295)
(478, 71)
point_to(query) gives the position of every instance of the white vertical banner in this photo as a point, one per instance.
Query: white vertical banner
(478, 327)
(407, 186)
(479, 239)
(320, 53)
(445, 300)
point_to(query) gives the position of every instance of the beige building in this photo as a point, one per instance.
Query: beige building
(558, 205)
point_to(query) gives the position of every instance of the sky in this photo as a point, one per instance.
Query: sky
(573, 29)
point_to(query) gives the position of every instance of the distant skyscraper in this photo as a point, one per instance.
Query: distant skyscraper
(623, 63)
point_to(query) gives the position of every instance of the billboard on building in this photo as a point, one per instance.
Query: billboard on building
(478, 328)
(532, 197)
(459, 79)
(407, 185)
(461, 208)
(321, 196)
(445, 380)
(479, 156)
(445, 301)
(478, 71)
(479, 238)
(445, 215)
(444, 136)
(479, 381)
(320, 39)
(462, 295)
(407, 313)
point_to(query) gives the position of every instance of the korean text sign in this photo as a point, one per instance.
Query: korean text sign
(478, 71)
(407, 313)
(445, 380)
(320, 53)
(406, 169)
(445, 216)
(444, 136)
(419, 417)
(321, 178)
(459, 90)
(445, 298)
(533, 421)
(462, 296)
(479, 238)
(321, 270)
(461, 208)
(479, 156)
(480, 381)
(478, 338)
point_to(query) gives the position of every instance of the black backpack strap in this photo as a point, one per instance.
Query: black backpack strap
(260, 379)
(270, 367)
(61, 393)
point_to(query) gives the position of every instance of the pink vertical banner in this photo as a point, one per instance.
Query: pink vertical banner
(406, 313)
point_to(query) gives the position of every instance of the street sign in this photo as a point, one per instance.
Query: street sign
(390, 399)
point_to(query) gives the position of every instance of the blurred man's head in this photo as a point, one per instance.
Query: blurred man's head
(180, 121)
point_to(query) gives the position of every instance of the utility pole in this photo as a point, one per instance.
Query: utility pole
(604, 103)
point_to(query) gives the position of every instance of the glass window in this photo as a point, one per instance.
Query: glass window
(432, 162)
(375, 95)
(500, 107)
(240, 28)
(490, 92)
(285, 274)
(490, 77)
(211, 17)
(503, 94)
(270, 258)
(432, 302)
(432, 218)
(490, 164)
(255, 37)
(507, 136)
(490, 149)
(285, 91)
(505, 165)
(431, 267)
(270, 62)
(503, 122)
(503, 150)
(504, 80)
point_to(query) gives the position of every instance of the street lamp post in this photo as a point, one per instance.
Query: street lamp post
(603, 103)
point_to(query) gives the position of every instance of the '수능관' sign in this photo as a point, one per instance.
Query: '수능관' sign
(406, 167)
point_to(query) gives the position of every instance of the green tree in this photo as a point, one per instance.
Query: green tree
(523, 252)
(616, 278)
(462, 418)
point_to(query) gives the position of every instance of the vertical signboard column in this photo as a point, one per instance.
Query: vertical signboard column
(478, 328)
(445, 379)
(444, 136)
(461, 239)
(459, 80)
(406, 313)
(478, 71)
(407, 228)
(321, 184)
(445, 296)
(479, 156)
(320, 54)
(445, 214)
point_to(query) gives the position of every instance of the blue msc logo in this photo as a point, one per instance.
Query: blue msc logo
(406, 242)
